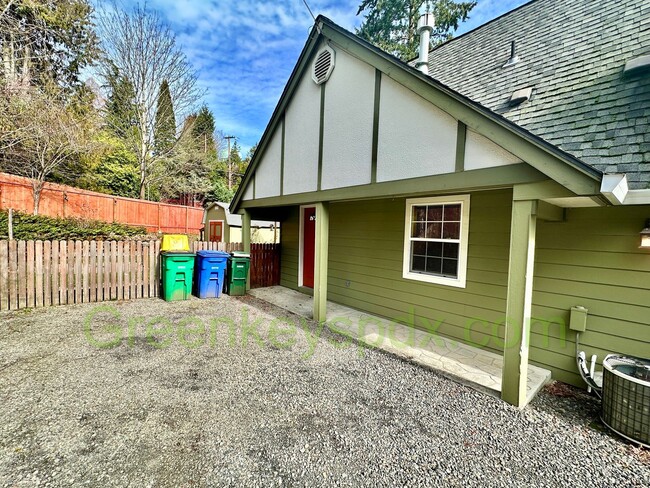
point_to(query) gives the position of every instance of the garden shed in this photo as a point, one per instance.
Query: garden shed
(219, 225)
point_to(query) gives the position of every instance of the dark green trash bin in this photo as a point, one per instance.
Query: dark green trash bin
(238, 266)
(177, 272)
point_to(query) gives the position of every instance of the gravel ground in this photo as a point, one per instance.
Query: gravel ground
(246, 410)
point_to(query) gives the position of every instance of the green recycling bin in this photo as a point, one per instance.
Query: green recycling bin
(177, 272)
(238, 265)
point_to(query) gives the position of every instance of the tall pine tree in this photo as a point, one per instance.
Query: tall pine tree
(203, 129)
(120, 110)
(391, 25)
(45, 41)
(165, 122)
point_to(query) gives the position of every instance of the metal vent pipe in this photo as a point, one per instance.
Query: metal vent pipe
(425, 27)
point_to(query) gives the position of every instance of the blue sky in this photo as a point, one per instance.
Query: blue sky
(245, 50)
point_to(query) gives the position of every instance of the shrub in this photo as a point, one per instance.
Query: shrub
(39, 227)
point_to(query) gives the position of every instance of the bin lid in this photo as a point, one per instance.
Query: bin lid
(175, 242)
(213, 254)
(177, 254)
(240, 254)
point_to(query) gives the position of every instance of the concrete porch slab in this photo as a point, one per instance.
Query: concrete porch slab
(474, 367)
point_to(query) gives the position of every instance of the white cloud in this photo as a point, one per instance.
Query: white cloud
(245, 50)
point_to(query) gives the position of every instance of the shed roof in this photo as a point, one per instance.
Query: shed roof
(234, 220)
(572, 52)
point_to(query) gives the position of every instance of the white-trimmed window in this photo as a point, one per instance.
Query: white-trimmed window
(435, 239)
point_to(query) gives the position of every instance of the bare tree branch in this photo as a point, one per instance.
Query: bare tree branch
(143, 48)
(44, 136)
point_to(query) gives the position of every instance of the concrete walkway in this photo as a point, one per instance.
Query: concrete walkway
(474, 367)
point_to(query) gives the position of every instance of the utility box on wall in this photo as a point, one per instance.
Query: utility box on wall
(578, 320)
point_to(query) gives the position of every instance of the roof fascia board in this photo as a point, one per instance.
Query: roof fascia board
(475, 180)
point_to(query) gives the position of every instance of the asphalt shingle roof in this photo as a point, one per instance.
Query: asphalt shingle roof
(572, 52)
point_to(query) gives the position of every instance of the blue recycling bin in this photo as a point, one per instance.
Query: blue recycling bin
(210, 271)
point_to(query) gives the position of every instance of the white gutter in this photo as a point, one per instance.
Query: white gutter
(637, 197)
(615, 189)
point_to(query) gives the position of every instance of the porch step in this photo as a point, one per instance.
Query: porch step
(474, 367)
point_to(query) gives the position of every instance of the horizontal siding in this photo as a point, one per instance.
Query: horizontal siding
(365, 269)
(593, 260)
(290, 244)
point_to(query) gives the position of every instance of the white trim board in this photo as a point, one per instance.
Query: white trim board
(461, 280)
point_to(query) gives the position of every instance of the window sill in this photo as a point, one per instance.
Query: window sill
(435, 280)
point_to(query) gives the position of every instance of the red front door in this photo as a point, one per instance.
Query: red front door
(216, 231)
(308, 244)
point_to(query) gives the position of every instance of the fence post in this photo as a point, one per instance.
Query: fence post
(159, 217)
(11, 224)
(187, 219)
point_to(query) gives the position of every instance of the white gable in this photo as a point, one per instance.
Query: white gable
(267, 175)
(416, 138)
(302, 126)
(348, 118)
(481, 152)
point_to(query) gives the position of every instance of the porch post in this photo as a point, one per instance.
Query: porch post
(320, 262)
(519, 302)
(246, 240)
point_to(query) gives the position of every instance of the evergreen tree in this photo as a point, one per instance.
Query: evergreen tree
(120, 110)
(45, 41)
(165, 122)
(391, 25)
(203, 129)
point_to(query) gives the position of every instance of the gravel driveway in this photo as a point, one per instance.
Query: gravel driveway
(217, 393)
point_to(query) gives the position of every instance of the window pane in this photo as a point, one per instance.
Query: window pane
(419, 247)
(418, 263)
(450, 250)
(434, 249)
(451, 230)
(434, 230)
(418, 230)
(452, 212)
(419, 214)
(434, 265)
(435, 213)
(450, 267)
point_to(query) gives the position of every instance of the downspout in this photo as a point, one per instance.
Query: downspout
(616, 191)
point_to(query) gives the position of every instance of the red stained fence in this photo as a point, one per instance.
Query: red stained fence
(265, 265)
(66, 201)
(45, 273)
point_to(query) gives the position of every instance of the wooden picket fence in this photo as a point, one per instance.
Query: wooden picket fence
(45, 273)
(265, 265)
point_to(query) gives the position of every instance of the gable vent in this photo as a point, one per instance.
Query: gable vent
(323, 65)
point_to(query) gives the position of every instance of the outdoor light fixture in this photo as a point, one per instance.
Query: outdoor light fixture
(645, 236)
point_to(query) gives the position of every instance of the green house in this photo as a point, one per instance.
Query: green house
(494, 193)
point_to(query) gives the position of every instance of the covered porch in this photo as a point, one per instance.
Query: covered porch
(474, 367)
